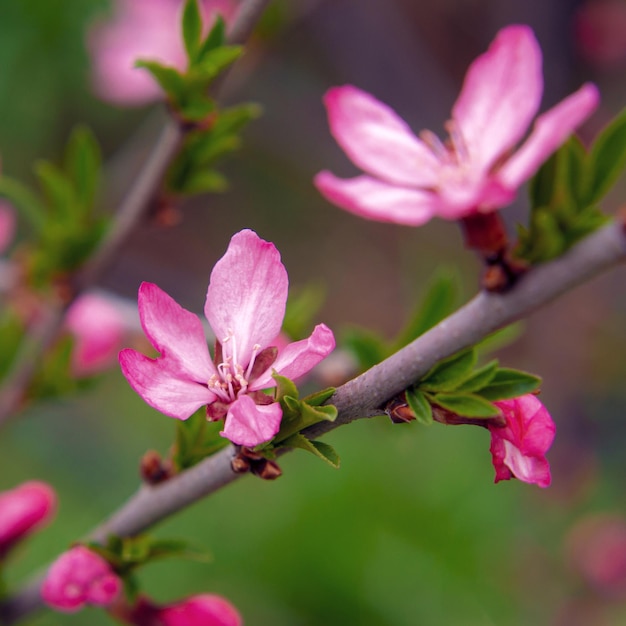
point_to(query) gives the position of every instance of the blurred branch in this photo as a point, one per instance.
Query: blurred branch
(366, 394)
(131, 213)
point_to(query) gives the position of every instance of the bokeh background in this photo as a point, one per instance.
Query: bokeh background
(411, 530)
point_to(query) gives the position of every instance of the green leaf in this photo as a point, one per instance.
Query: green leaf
(541, 185)
(192, 28)
(196, 107)
(131, 588)
(420, 406)
(320, 449)
(167, 548)
(82, 164)
(510, 383)
(302, 307)
(59, 192)
(500, 338)
(449, 373)
(212, 64)
(366, 345)
(480, 378)
(214, 39)
(436, 304)
(466, 404)
(607, 159)
(203, 181)
(543, 240)
(169, 79)
(319, 397)
(285, 387)
(25, 201)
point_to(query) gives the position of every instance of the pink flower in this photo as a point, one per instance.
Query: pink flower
(142, 29)
(7, 225)
(409, 180)
(245, 306)
(23, 510)
(519, 449)
(98, 329)
(201, 610)
(78, 577)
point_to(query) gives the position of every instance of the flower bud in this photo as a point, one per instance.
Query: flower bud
(79, 577)
(201, 610)
(22, 510)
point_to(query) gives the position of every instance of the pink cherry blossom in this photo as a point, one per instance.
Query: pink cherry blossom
(78, 577)
(245, 307)
(23, 510)
(409, 180)
(142, 29)
(519, 449)
(201, 610)
(98, 329)
(7, 225)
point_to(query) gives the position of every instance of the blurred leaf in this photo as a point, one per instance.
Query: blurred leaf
(320, 449)
(192, 28)
(214, 39)
(82, 164)
(25, 201)
(367, 346)
(203, 181)
(59, 192)
(449, 373)
(480, 378)
(500, 338)
(11, 335)
(420, 406)
(607, 159)
(212, 64)
(510, 383)
(302, 306)
(465, 404)
(169, 79)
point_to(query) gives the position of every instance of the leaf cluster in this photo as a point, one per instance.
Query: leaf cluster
(457, 385)
(65, 225)
(196, 439)
(565, 192)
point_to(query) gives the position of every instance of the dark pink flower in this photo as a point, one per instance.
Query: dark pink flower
(79, 577)
(519, 449)
(23, 510)
(142, 29)
(98, 329)
(7, 225)
(409, 180)
(201, 610)
(245, 307)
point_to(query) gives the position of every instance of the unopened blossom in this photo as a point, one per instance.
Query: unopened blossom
(7, 225)
(519, 449)
(245, 307)
(23, 510)
(201, 610)
(79, 577)
(143, 29)
(98, 330)
(478, 169)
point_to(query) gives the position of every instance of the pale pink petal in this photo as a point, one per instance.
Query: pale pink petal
(201, 610)
(299, 357)
(162, 386)
(377, 140)
(376, 200)
(550, 131)
(247, 295)
(176, 333)
(530, 469)
(500, 96)
(249, 424)
(7, 225)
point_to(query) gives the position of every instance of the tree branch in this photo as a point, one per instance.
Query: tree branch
(366, 394)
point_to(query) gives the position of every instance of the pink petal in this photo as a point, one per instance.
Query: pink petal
(376, 200)
(500, 96)
(530, 469)
(299, 357)
(162, 386)
(247, 295)
(377, 140)
(550, 131)
(201, 610)
(249, 424)
(176, 333)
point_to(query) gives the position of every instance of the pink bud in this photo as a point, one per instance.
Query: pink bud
(22, 510)
(98, 329)
(202, 610)
(80, 577)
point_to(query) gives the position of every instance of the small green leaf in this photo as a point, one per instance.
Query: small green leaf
(197, 107)
(319, 397)
(449, 373)
(82, 164)
(366, 345)
(500, 338)
(202, 181)
(192, 28)
(212, 64)
(510, 383)
(302, 307)
(169, 79)
(285, 387)
(131, 588)
(320, 449)
(167, 548)
(607, 159)
(59, 192)
(466, 404)
(420, 406)
(480, 378)
(214, 39)
(27, 202)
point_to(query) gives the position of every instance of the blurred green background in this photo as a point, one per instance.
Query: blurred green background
(411, 529)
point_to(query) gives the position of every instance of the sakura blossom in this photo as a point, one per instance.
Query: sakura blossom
(477, 170)
(245, 307)
(23, 510)
(142, 29)
(79, 577)
(98, 329)
(518, 449)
